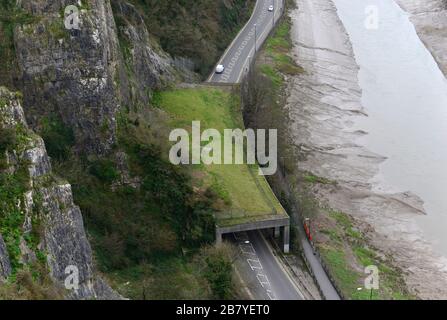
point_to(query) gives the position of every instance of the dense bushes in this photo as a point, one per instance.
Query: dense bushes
(104, 170)
(8, 139)
(59, 139)
(217, 265)
(170, 188)
(12, 188)
(130, 225)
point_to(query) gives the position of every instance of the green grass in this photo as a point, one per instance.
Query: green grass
(278, 48)
(336, 260)
(342, 219)
(365, 256)
(273, 74)
(248, 194)
(347, 252)
(311, 178)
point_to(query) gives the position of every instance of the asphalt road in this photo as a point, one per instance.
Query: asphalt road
(241, 51)
(281, 284)
(264, 277)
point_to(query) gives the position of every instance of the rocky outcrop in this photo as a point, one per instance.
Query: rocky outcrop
(5, 265)
(66, 243)
(148, 66)
(71, 73)
(49, 200)
(84, 75)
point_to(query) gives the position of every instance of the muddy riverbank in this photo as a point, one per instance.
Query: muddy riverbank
(430, 20)
(327, 116)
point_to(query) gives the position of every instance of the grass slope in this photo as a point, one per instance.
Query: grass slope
(247, 195)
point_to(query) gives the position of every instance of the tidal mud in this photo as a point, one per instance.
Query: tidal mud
(327, 116)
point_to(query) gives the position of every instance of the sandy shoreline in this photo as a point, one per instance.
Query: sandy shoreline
(324, 105)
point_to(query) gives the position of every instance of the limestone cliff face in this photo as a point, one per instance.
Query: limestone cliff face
(47, 204)
(5, 265)
(71, 73)
(84, 76)
(148, 67)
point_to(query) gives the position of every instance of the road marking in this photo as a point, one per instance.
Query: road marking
(253, 261)
(247, 249)
(284, 270)
(254, 264)
(260, 19)
(249, 36)
(263, 280)
(271, 295)
(253, 49)
(235, 39)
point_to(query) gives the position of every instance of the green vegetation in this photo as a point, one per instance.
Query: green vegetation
(26, 286)
(57, 29)
(345, 250)
(12, 188)
(10, 16)
(245, 195)
(277, 50)
(206, 274)
(59, 139)
(347, 254)
(343, 247)
(8, 139)
(273, 74)
(140, 232)
(147, 222)
(148, 219)
(311, 178)
(104, 170)
(217, 265)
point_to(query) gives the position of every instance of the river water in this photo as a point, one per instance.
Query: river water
(405, 97)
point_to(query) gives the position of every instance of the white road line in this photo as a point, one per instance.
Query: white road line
(263, 280)
(271, 295)
(254, 264)
(234, 40)
(247, 249)
(262, 37)
(253, 49)
(286, 272)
